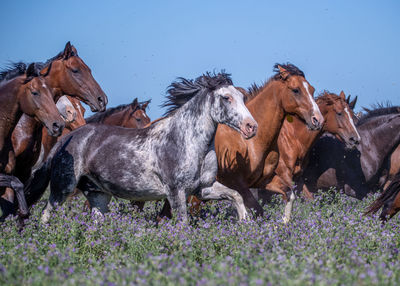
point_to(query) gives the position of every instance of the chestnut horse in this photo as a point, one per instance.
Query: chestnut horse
(23, 90)
(295, 142)
(244, 164)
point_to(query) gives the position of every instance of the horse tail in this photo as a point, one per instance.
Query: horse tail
(390, 193)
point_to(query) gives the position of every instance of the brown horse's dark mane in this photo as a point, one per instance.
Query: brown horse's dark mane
(13, 70)
(255, 89)
(378, 110)
(182, 90)
(100, 116)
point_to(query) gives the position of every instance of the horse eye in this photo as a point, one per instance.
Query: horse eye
(296, 90)
(139, 119)
(339, 113)
(35, 93)
(225, 97)
(74, 70)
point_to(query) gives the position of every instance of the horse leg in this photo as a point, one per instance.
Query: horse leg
(219, 192)
(99, 204)
(15, 184)
(60, 190)
(139, 205)
(178, 205)
(280, 186)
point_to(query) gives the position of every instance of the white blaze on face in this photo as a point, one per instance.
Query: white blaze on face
(314, 105)
(238, 102)
(352, 123)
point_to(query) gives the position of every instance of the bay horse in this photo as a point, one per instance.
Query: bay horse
(132, 115)
(355, 171)
(23, 90)
(172, 158)
(26, 143)
(67, 74)
(295, 141)
(389, 201)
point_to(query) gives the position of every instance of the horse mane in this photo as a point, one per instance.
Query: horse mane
(13, 70)
(378, 109)
(291, 69)
(182, 90)
(99, 117)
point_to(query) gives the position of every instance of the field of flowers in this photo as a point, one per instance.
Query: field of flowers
(328, 242)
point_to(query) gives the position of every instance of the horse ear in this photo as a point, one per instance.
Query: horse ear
(144, 105)
(283, 73)
(31, 71)
(69, 51)
(134, 102)
(352, 104)
(342, 95)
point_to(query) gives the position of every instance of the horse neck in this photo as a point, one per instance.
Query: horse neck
(11, 112)
(267, 110)
(191, 125)
(116, 119)
(378, 141)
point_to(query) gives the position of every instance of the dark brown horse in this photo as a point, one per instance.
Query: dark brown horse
(244, 164)
(295, 140)
(389, 201)
(357, 171)
(23, 90)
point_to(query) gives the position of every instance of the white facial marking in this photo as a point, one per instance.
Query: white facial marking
(314, 105)
(44, 85)
(238, 97)
(352, 123)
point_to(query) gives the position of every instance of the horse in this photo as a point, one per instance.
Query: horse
(389, 201)
(172, 158)
(355, 171)
(295, 141)
(67, 74)
(23, 90)
(245, 164)
(131, 115)
(27, 148)
(250, 164)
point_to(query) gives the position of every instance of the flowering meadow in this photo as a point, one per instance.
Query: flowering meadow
(328, 242)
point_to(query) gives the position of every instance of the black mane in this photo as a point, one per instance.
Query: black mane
(182, 90)
(378, 110)
(292, 70)
(99, 117)
(13, 70)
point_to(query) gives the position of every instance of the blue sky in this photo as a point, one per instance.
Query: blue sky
(137, 48)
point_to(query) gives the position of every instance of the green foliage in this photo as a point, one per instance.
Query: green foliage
(328, 242)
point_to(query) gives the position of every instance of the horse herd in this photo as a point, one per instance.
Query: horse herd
(216, 141)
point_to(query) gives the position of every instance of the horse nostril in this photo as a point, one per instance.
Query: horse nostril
(57, 126)
(315, 121)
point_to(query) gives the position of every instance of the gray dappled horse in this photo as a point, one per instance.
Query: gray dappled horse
(170, 159)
